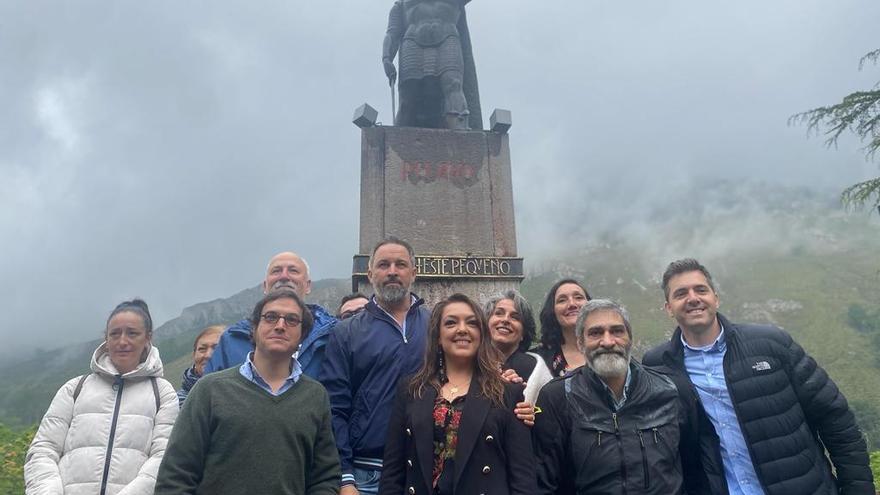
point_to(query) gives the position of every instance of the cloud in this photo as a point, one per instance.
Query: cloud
(168, 150)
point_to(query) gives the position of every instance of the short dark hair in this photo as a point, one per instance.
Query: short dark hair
(136, 306)
(350, 297)
(308, 321)
(393, 240)
(684, 265)
(526, 315)
(551, 331)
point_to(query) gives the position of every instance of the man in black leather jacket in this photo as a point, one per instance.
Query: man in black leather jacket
(779, 418)
(614, 426)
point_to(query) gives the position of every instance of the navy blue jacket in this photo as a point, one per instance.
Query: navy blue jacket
(365, 357)
(235, 344)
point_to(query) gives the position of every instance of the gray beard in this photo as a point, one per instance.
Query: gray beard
(391, 295)
(609, 364)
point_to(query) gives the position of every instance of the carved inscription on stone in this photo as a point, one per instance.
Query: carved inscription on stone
(457, 266)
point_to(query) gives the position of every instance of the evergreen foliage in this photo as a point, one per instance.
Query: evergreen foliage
(859, 113)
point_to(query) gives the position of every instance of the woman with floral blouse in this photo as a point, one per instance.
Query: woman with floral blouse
(452, 429)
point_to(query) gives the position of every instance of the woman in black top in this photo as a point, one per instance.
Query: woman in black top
(558, 317)
(452, 429)
(512, 327)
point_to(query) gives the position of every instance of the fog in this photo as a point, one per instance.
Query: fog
(166, 150)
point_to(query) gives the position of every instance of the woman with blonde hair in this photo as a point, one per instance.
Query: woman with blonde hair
(203, 347)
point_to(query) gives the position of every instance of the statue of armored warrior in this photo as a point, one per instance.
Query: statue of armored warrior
(438, 81)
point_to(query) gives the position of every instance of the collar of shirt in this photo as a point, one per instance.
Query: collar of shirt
(619, 403)
(720, 344)
(412, 301)
(249, 371)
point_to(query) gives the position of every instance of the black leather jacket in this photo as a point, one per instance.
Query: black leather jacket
(585, 447)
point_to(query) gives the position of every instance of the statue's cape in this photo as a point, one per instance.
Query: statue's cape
(469, 77)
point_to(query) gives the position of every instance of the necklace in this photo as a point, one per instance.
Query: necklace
(453, 389)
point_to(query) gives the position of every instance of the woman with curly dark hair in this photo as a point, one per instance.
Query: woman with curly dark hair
(452, 429)
(558, 317)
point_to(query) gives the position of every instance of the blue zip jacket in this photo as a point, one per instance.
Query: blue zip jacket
(366, 356)
(235, 344)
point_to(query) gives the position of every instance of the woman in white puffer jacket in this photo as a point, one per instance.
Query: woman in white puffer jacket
(105, 432)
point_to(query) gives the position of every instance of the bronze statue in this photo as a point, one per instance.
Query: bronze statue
(438, 80)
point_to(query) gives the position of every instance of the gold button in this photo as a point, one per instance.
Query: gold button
(408, 432)
(412, 490)
(486, 469)
(409, 462)
(490, 438)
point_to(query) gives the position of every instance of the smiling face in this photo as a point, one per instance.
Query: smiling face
(606, 343)
(281, 337)
(127, 340)
(204, 350)
(693, 303)
(505, 326)
(290, 271)
(567, 304)
(459, 332)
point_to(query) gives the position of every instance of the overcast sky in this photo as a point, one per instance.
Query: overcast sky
(167, 149)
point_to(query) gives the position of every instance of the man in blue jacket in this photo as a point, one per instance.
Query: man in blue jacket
(285, 270)
(366, 356)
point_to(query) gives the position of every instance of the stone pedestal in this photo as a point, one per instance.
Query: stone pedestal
(449, 194)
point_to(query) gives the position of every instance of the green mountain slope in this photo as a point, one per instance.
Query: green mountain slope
(784, 256)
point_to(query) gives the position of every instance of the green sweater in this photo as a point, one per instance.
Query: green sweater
(232, 437)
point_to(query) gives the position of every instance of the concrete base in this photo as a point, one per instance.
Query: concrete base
(447, 193)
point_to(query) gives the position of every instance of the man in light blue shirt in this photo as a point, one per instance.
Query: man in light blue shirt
(705, 367)
(778, 419)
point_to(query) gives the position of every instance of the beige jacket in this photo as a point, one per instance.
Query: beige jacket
(74, 451)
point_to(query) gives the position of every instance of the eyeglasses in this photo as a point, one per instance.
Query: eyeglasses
(272, 318)
(348, 314)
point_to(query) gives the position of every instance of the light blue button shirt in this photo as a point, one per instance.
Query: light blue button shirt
(705, 366)
(249, 371)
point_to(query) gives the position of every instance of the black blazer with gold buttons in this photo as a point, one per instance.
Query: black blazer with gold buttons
(493, 456)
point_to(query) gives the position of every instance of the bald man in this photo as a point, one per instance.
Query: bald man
(285, 270)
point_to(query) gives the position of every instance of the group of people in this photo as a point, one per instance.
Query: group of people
(392, 397)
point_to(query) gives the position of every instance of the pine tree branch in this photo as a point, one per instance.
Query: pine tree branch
(859, 195)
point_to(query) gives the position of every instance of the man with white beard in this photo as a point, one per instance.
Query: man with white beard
(614, 426)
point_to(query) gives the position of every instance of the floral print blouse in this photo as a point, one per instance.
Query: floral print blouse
(447, 419)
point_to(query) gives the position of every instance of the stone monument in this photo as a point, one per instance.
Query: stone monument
(436, 179)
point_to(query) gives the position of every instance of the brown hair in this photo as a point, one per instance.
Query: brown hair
(487, 368)
(207, 331)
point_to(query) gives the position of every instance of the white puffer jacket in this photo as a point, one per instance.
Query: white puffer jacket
(69, 454)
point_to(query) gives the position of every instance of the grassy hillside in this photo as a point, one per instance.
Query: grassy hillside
(782, 256)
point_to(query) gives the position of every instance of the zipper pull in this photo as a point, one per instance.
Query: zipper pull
(600, 438)
(655, 434)
(641, 441)
(616, 425)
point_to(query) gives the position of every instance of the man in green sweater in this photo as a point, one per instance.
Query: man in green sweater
(263, 428)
